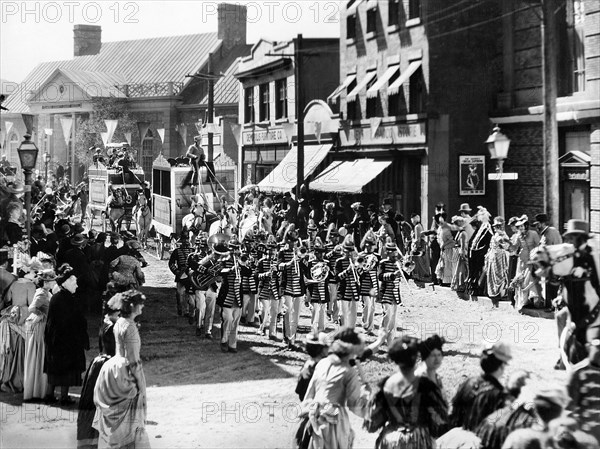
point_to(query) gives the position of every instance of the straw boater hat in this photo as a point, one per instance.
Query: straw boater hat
(78, 240)
(577, 227)
(500, 350)
(498, 221)
(356, 206)
(312, 226)
(15, 187)
(390, 245)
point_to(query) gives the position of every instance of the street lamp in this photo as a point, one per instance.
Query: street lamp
(28, 153)
(46, 158)
(498, 145)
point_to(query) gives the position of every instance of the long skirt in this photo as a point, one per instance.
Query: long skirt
(496, 272)
(329, 428)
(446, 264)
(120, 406)
(401, 437)
(87, 436)
(35, 382)
(422, 271)
(12, 356)
(460, 276)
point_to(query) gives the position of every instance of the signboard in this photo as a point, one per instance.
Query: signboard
(398, 134)
(472, 175)
(503, 176)
(263, 136)
(162, 210)
(98, 191)
(575, 174)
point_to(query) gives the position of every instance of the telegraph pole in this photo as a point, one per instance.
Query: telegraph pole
(550, 83)
(299, 92)
(211, 108)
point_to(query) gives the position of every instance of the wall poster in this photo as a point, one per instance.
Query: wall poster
(472, 175)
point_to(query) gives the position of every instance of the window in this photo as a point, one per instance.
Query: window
(576, 39)
(264, 109)
(353, 107)
(147, 155)
(414, 9)
(417, 93)
(393, 12)
(372, 20)
(372, 102)
(394, 99)
(281, 105)
(351, 26)
(249, 105)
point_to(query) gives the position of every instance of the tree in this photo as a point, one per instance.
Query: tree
(88, 130)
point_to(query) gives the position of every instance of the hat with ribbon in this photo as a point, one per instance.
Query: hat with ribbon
(522, 220)
(465, 207)
(234, 243)
(577, 227)
(356, 206)
(15, 187)
(512, 221)
(47, 275)
(498, 221)
(500, 350)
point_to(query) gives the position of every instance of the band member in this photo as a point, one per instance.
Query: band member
(319, 275)
(268, 289)
(369, 285)
(197, 301)
(178, 266)
(312, 230)
(390, 276)
(348, 269)
(230, 297)
(333, 309)
(292, 268)
(249, 285)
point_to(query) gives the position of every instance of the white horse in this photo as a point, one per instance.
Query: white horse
(226, 223)
(143, 219)
(248, 223)
(265, 220)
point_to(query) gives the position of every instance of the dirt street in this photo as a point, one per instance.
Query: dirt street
(199, 397)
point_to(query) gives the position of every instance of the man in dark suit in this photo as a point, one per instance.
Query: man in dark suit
(391, 214)
(549, 235)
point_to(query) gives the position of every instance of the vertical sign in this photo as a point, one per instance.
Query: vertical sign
(472, 175)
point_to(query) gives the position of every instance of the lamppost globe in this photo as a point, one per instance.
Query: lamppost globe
(498, 144)
(28, 153)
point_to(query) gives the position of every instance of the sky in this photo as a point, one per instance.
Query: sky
(34, 32)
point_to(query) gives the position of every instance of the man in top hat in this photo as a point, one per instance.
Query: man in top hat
(178, 266)
(369, 285)
(319, 289)
(390, 275)
(268, 288)
(348, 270)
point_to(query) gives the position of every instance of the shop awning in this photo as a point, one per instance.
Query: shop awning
(353, 7)
(336, 93)
(404, 76)
(360, 86)
(283, 177)
(375, 88)
(348, 176)
(372, 4)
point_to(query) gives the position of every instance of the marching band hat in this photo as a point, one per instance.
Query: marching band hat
(221, 249)
(337, 249)
(390, 245)
(234, 243)
(521, 220)
(464, 207)
(318, 246)
(349, 243)
(78, 240)
(271, 242)
(575, 227)
(312, 226)
(356, 205)
(369, 238)
(200, 240)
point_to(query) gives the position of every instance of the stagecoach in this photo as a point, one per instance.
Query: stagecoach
(101, 177)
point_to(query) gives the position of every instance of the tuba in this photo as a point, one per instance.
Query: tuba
(370, 262)
(319, 271)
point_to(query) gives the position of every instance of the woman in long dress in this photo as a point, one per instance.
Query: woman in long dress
(496, 263)
(461, 270)
(335, 387)
(422, 271)
(120, 392)
(448, 253)
(413, 408)
(35, 381)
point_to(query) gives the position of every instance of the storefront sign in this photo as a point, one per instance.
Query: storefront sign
(472, 175)
(400, 134)
(263, 136)
(576, 175)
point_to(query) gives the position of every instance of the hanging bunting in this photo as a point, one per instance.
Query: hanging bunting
(48, 131)
(2, 137)
(104, 136)
(318, 126)
(8, 126)
(182, 129)
(143, 129)
(128, 138)
(28, 121)
(66, 123)
(161, 133)
(375, 122)
(111, 126)
(289, 129)
(236, 129)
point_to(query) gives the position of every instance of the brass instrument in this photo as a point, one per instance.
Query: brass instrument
(370, 262)
(356, 266)
(319, 272)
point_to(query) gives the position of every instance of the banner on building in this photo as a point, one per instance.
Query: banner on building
(289, 130)
(161, 133)
(236, 130)
(66, 123)
(143, 129)
(111, 126)
(472, 175)
(128, 138)
(104, 136)
(375, 122)
(8, 126)
(28, 121)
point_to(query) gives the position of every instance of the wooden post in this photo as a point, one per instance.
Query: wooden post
(299, 113)
(550, 83)
(211, 108)
(73, 135)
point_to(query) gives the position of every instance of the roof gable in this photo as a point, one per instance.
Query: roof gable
(575, 158)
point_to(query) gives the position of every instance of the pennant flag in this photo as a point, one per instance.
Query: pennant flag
(8, 126)
(143, 129)
(2, 137)
(289, 129)
(128, 138)
(182, 129)
(199, 126)
(236, 129)
(161, 133)
(111, 126)
(28, 121)
(318, 126)
(375, 122)
(104, 138)
(66, 123)
(48, 131)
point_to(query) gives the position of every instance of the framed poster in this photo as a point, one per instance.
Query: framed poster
(472, 175)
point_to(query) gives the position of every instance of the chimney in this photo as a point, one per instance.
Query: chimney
(87, 40)
(232, 24)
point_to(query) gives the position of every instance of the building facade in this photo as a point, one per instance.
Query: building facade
(418, 81)
(520, 109)
(267, 108)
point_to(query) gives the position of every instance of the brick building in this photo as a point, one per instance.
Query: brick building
(520, 109)
(150, 76)
(268, 109)
(418, 81)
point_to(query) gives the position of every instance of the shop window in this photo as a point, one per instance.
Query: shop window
(393, 12)
(249, 105)
(281, 103)
(414, 9)
(417, 93)
(264, 111)
(351, 26)
(372, 20)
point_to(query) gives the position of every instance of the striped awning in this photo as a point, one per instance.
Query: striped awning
(360, 86)
(372, 4)
(404, 76)
(348, 176)
(336, 93)
(284, 177)
(375, 88)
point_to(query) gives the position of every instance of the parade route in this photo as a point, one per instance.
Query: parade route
(201, 398)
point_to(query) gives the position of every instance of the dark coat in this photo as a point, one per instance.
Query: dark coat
(66, 335)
